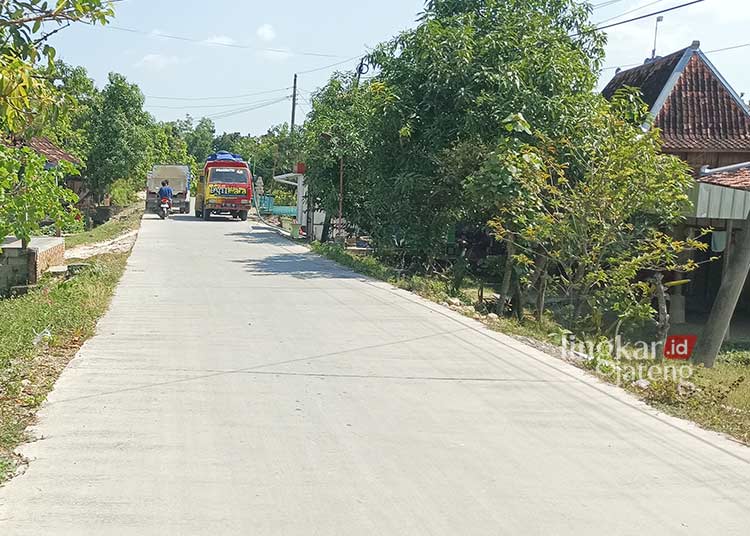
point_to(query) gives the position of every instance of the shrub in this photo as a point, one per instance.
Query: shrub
(121, 193)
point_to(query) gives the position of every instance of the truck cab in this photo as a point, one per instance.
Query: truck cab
(225, 187)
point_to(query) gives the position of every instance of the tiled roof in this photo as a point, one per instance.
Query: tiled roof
(701, 114)
(693, 105)
(650, 78)
(737, 176)
(50, 151)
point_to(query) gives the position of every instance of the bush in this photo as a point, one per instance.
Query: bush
(284, 198)
(121, 193)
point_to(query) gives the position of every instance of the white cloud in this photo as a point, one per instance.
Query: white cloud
(266, 32)
(156, 62)
(220, 40)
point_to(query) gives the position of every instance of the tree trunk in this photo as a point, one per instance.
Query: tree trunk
(326, 229)
(517, 299)
(510, 250)
(540, 295)
(662, 326)
(709, 344)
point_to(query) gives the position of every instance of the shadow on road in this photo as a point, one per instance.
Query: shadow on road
(190, 218)
(304, 265)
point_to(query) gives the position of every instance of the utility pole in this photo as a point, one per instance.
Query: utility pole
(341, 197)
(294, 107)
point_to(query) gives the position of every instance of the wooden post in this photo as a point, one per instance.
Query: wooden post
(709, 344)
(727, 255)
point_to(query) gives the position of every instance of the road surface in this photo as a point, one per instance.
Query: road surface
(241, 385)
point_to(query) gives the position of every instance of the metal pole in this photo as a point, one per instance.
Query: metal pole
(656, 35)
(341, 196)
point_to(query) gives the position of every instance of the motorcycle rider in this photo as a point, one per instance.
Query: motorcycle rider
(166, 191)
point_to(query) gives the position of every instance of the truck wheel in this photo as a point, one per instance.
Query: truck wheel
(206, 214)
(243, 215)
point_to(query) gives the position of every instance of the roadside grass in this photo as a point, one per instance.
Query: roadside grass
(717, 398)
(31, 359)
(127, 220)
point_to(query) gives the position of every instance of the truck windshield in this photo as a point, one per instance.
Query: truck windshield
(228, 175)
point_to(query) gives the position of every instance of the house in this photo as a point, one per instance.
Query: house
(705, 122)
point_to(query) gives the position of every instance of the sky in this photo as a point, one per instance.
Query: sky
(241, 56)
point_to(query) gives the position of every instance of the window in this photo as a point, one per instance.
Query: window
(228, 175)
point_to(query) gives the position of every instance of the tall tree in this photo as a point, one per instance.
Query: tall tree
(122, 143)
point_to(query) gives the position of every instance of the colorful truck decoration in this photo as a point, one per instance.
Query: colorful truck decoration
(225, 187)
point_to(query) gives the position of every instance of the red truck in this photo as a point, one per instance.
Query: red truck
(225, 187)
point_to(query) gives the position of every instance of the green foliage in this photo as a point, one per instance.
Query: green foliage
(122, 141)
(486, 113)
(30, 193)
(122, 193)
(594, 205)
(411, 136)
(27, 99)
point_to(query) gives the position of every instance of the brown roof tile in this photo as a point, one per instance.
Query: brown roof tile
(50, 151)
(701, 112)
(650, 78)
(737, 176)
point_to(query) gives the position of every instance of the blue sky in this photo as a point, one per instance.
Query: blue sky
(287, 36)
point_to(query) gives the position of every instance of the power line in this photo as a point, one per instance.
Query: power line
(206, 106)
(714, 51)
(221, 97)
(329, 66)
(230, 113)
(630, 11)
(605, 4)
(220, 44)
(644, 16)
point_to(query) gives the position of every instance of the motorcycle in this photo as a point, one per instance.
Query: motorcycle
(164, 207)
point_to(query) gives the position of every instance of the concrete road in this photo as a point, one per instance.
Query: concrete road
(241, 385)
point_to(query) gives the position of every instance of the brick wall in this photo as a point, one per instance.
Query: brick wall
(41, 259)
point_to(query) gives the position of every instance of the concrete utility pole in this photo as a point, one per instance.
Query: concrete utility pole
(709, 344)
(341, 197)
(294, 108)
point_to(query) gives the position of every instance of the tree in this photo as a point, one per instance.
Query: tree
(199, 139)
(593, 209)
(122, 144)
(28, 100)
(30, 193)
(74, 123)
(439, 98)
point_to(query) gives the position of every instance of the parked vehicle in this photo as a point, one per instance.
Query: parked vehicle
(225, 187)
(164, 208)
(179, 180)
